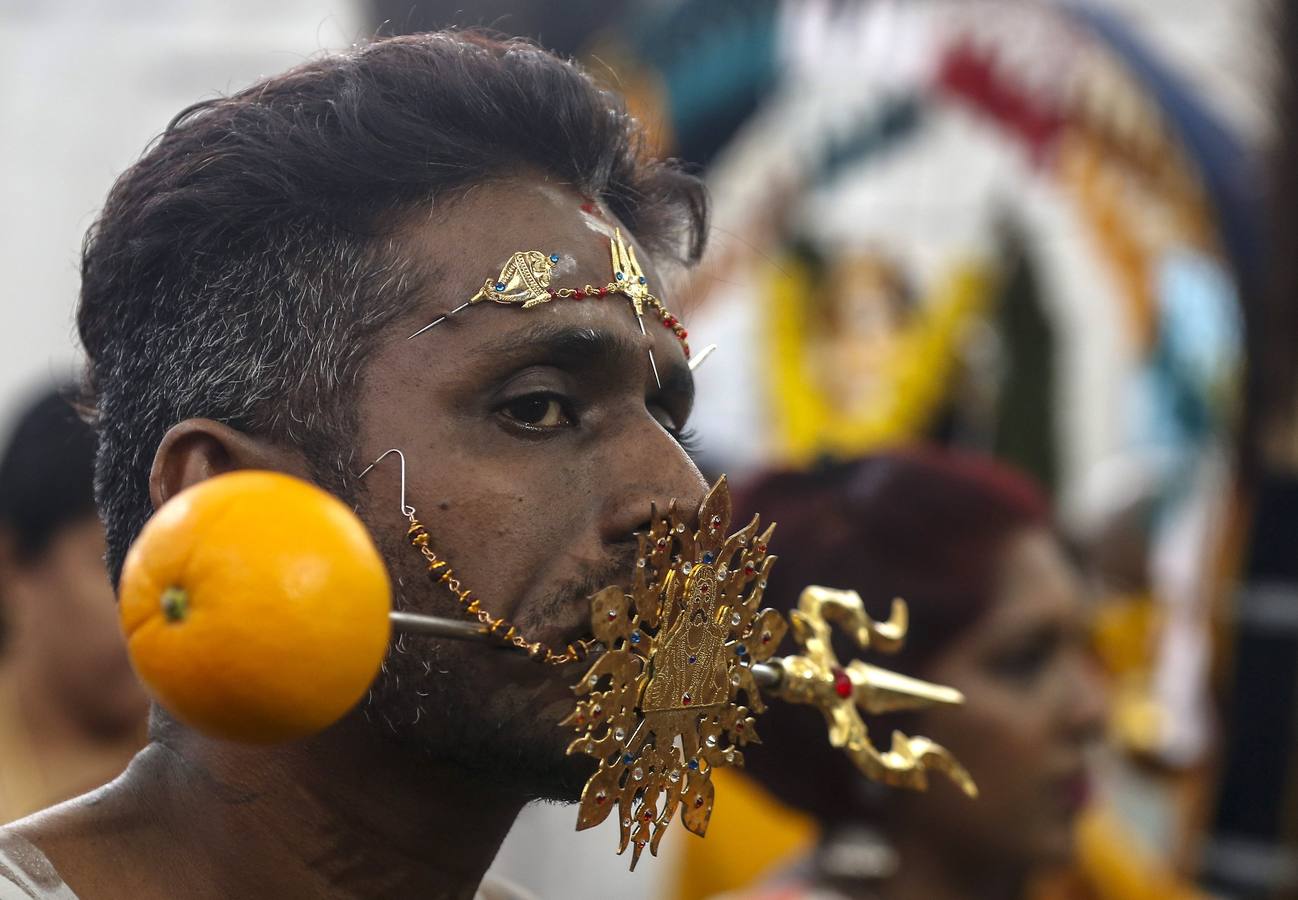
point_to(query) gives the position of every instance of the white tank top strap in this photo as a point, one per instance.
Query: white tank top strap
(25, 873)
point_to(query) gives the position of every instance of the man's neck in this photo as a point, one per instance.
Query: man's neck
(335, 818)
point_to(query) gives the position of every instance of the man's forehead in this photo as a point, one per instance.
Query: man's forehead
(529, 248)
(469, 238)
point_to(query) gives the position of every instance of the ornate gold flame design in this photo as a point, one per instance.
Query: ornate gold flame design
(661, 708)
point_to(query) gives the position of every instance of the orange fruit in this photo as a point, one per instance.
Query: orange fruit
(255, 607)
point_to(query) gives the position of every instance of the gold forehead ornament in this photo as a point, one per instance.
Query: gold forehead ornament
(525, 281)
(687, 653)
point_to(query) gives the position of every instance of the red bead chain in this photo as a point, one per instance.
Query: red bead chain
(669, 321)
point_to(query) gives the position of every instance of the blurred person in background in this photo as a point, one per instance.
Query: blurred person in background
(996, 610)
(71, 712)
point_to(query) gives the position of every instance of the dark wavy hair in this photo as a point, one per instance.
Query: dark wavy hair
(926, 525)
(242, 269)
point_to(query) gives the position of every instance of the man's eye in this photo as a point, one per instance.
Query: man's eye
(537, 411)
(684, 436)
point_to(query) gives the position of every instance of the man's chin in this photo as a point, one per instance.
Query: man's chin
(505, 736)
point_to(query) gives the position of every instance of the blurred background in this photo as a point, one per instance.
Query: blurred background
(1051, 235)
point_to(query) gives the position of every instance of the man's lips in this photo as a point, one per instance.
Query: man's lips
(574, 628)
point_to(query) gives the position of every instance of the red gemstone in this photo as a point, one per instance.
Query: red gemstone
(739, 727)
(669, 321)
(749, 569)
(842, 684)
(612, 613)
(761, 548)
(603, 291)
(698, 801)
(578, 294)
(687, 699)
(600, 798)
(648, 815)
(683, 334)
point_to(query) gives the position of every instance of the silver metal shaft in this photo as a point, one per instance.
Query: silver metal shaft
(652, 362)
(766, 675)
(438, 321)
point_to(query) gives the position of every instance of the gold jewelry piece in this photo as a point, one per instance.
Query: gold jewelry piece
(661, 708)
(525, 281)
(816, 678)
(442, 573)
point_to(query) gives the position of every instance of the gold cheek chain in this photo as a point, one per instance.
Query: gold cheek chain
(441, 572)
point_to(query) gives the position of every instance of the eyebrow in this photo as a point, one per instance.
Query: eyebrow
(585, 349)
(568, 346)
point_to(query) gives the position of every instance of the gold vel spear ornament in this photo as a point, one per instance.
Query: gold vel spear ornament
(687, 654)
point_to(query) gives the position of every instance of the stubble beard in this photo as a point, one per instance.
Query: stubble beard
(487, 713)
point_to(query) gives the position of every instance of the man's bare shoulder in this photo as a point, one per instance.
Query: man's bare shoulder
(89, 842)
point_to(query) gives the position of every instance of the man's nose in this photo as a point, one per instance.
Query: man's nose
(651, 470)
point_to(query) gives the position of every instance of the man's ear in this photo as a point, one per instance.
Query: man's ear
(198, 449)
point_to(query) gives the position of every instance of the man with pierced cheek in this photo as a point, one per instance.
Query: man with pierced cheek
(443, 245)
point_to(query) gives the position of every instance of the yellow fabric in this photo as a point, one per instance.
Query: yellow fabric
(915, 372)
(750, 837)
(1124, 632)
(1112, 865)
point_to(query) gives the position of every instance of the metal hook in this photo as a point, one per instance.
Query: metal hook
(701, 355)
(406, 510)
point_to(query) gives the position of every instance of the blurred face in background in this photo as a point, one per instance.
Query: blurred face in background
(1034, 707)
(60, 624)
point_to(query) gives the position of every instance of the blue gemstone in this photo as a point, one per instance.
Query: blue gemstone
(642, 279)
(707, 558)
(554, 257)
(693, 764)
(635, 637)
(740, 649)
(620, 276)
(628, 759)
(500, 285)
(693, 660)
